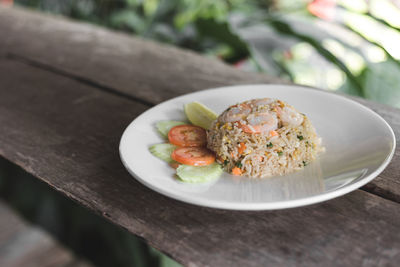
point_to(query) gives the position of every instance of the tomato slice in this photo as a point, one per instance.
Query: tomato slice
(187, 136)
(195, 156)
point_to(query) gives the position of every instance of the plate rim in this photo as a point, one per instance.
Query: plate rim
(243, 206)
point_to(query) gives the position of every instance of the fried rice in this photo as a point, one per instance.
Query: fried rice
(263, 138)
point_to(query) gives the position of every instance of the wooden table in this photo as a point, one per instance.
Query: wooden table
(69, 89)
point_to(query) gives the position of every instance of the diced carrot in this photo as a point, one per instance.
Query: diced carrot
(273, 133)
(241, 148)
(236, 171)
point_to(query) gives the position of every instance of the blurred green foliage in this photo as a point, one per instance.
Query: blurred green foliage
(352, 46)
(196, 25)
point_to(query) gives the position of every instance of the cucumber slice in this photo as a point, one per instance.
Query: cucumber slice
(164, 126)
(163, 151)
(201, 174)
(199, 115)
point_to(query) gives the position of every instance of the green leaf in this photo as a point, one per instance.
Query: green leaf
(382, 83)
(150, 7)
(349, 89)
(128, 19)
(134, 3)
(285, 28)
(221, 32)
(369, 40)
(383, 22)
(263, 44)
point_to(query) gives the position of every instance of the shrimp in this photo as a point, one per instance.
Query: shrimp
(263, 122)
(236, 113)
(289, 116)
(262, 101)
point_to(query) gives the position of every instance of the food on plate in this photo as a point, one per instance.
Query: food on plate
(187, 136)
(195, 156)
(256, 138)
(199, 115)
(163, 151)
(262, 138)
(202, 174)
(163, 127)
(187, 151)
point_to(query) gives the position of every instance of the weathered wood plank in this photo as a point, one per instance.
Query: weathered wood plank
(147, 70)
(24, 245)
(51, 128)
(142, 69)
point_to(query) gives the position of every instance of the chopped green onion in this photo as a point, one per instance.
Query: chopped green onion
(239, 164)
(304, 163)
(300, 137)
(226, 162)
(270, 145)
(280, 153)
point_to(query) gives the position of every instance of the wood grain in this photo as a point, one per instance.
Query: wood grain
(141, 70)
(66, 134)
(137, 67)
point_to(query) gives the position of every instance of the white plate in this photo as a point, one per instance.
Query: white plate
(359, 144)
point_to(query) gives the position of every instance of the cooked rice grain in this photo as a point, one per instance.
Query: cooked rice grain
(264, 156)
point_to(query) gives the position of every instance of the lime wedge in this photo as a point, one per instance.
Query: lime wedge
(200, 115)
